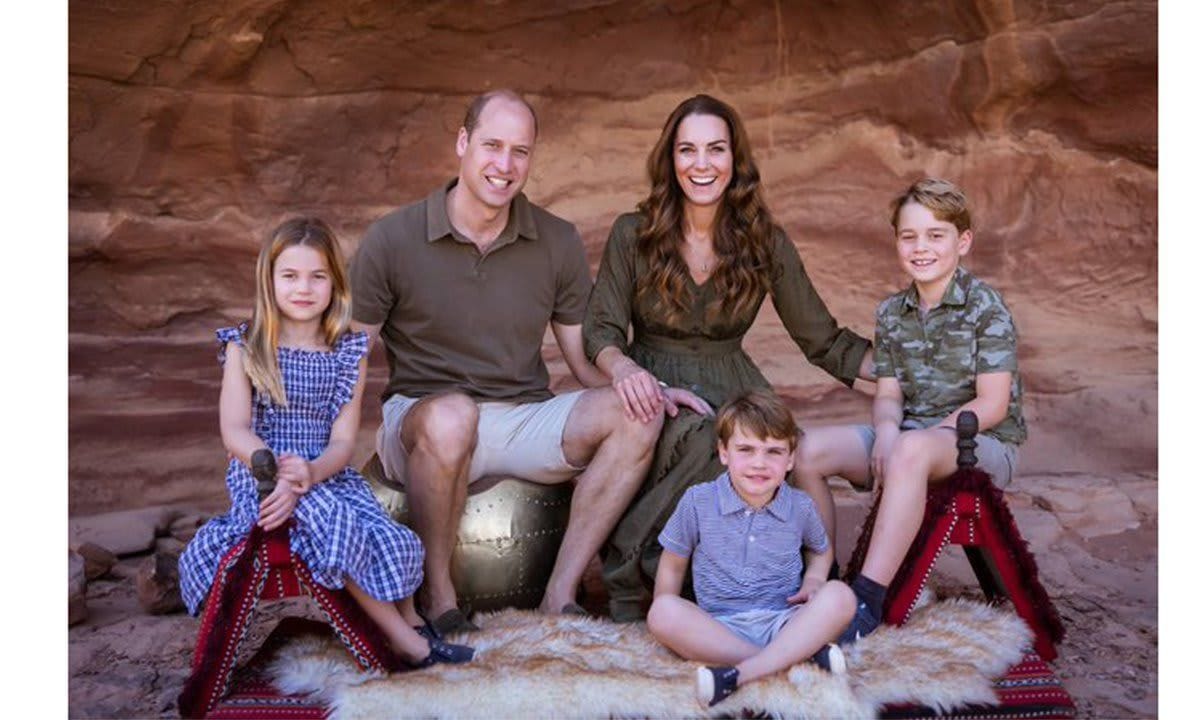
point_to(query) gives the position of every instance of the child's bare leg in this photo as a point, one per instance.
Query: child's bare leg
(919, 457)
(408, 610)
(820, 621)
(694, 634)
(825, 452)
(405, 641)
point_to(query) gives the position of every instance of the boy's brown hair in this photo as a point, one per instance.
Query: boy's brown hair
(760, 413)
(944, 199)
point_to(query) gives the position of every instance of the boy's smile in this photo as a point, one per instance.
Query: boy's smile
(929, 250)
(757, 466)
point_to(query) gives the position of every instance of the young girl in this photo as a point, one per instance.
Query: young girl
(293, 385)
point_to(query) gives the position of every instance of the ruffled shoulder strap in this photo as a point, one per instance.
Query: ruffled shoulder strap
(348, 351)
(227, 335)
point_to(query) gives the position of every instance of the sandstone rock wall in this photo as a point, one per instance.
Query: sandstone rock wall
(196, 126)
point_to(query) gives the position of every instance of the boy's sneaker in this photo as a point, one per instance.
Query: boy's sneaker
(831, 659)
(862, 625)
(714, 684)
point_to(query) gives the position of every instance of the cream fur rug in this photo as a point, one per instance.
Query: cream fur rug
(531, 665)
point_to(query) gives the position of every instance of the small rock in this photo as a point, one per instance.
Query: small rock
(97, 561)
(125, 532)
(169, 544)
(184, 528)
(158, 584)
(76, 589)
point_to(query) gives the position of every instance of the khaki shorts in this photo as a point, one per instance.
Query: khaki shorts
(515, 439)
(996, 458)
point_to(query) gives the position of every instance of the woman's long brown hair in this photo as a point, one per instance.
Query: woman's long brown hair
(743, 227)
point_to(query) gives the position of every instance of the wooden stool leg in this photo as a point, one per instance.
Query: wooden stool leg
(227, 614)
(907, 588)
(1001, 558)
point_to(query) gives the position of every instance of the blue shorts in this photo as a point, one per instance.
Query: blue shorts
(996, 458)
(758, 627)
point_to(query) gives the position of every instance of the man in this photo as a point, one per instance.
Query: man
(460, 287)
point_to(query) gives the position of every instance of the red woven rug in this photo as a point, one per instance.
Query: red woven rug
(1030, 689)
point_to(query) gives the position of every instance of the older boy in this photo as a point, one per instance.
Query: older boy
(744, 533)
(944, 345)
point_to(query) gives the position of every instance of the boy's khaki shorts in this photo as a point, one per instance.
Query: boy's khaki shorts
(996, 458)
(521, 440)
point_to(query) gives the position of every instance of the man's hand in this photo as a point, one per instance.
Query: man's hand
(639, 391)
(808, 589)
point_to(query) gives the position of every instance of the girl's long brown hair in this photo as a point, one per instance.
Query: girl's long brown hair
(262, 340)
(743, 227)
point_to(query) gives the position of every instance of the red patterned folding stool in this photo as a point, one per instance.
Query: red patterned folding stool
(263, 567)
(968, 510)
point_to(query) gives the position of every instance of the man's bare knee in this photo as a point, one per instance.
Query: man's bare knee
(445, 424)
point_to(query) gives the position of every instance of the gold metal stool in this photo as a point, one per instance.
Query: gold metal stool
(507, 540)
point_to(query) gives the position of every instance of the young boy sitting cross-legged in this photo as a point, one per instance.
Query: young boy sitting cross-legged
(743, 533)
(945, 344)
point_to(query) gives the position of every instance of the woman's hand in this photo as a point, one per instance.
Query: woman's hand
(296, 471)
(277, 507)
(676, 398)
(639, 391)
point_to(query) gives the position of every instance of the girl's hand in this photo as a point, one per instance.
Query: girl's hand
(885, 438)
(638, 389)
(275, 510)
(678, 397)
(808, 589)
(297, 471)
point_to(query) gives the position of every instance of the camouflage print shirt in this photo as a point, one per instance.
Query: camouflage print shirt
(936, 357)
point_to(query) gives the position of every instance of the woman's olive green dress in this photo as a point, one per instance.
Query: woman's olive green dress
(701, 352)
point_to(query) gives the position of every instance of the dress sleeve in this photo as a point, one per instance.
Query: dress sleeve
(836, 350)
(610, 306)
(349, 351)
(227, 335)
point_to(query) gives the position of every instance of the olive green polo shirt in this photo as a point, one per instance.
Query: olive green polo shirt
(936, 356)
(456, 319)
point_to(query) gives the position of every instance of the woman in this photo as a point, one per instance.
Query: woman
(689, 271)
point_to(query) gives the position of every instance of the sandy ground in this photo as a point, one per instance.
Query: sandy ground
(1099, 566)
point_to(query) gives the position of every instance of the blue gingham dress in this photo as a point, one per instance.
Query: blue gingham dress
(340, 530)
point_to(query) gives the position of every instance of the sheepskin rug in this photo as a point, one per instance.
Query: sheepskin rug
(532, 665)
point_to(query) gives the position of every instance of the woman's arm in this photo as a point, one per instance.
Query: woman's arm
(836, 350)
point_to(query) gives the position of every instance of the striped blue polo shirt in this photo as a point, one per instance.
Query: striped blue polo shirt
(742, 558)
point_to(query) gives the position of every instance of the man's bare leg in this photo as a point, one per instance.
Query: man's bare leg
(617, 452)
(439, 434)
